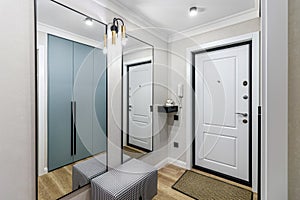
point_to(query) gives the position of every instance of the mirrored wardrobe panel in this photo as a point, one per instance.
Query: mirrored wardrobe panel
(71, 99)
(137, 98)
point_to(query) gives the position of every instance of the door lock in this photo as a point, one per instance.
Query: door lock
(245, 121)
(245, 97)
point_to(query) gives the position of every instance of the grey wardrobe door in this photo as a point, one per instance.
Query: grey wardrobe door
(60, 81)
(83, 96)
(99, 111)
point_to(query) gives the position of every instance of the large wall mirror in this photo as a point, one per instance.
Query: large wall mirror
(71, 100)
(137, 98)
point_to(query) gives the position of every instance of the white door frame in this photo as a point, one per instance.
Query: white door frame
(255, 38)
(42, 110)
(274, 179)
(125, 110)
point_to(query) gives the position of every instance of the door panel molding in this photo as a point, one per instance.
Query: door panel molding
(215, 166)
(135, 62)
(256, 84)
(141, 118)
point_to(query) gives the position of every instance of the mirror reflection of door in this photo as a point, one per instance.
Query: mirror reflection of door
(139, 106)
(137, 98)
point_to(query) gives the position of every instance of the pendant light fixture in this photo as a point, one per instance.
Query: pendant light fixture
(115, 27)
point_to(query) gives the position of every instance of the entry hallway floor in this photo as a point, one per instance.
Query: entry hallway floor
(51, 186)
(168, 175)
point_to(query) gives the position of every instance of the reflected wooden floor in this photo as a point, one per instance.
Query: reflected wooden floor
(59, 182)
(133, 152)
(168, 175)
(55, 184)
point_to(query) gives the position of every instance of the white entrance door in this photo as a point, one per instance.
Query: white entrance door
(222, 102)
(140, 101)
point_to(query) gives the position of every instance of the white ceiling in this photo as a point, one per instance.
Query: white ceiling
(172, 15)
(55, 15)
(167, 17)
(52, 14)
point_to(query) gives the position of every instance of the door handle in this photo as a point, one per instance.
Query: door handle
(243, 114)
(73, 128)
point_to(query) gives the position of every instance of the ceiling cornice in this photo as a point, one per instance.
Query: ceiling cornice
(217, 24)
(142, 22)
(130, 16)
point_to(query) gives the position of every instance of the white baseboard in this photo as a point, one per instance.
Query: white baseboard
(177, 163)
(172, 161)
(162, 163)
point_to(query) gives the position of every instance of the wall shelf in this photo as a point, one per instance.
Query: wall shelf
(167, 109)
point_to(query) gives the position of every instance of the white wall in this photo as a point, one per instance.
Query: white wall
(114, 103)
(17, 143)
(177, 75)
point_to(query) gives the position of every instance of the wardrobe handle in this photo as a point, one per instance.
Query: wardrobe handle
(72, 126)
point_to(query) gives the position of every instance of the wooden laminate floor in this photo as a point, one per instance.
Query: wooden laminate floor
(56, 183)
(59, 182)
(133, 152)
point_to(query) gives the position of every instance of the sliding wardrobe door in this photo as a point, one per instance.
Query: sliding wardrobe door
(60, 82)
(83, 98)
(99, 102)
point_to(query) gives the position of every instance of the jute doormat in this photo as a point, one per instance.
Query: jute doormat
(205, 188)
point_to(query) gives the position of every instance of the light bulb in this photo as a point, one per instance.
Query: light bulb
(124, 41)
(104, 50)
(113, 37)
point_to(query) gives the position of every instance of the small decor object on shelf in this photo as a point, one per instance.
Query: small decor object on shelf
(170, 102)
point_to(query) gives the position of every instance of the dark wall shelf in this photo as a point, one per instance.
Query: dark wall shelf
(167, 109)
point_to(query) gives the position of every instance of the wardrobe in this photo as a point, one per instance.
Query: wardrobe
(76, 101)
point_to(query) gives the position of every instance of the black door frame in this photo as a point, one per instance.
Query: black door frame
(247, 183)
(127, 97)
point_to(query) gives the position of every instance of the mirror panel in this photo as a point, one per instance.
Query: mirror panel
(137, 98)
(71, 100)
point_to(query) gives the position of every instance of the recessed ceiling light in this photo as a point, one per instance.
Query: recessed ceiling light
(195, 10)
(88, 21)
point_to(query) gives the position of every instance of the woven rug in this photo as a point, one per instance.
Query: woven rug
(205, 188)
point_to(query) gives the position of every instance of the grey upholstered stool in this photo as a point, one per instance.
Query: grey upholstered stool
(84, 171)
(133, 180)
